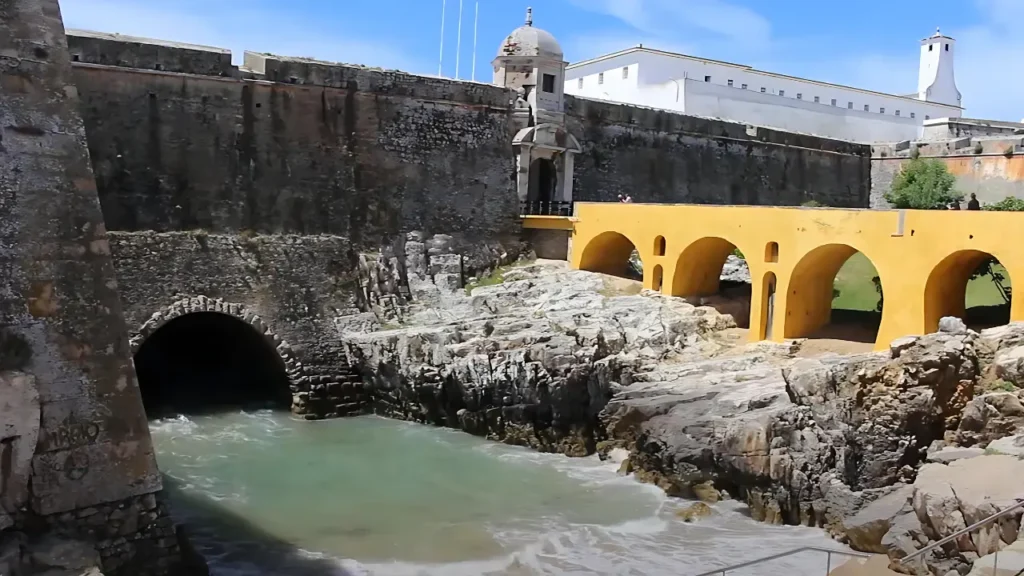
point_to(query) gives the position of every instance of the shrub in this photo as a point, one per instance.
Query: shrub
(1008, 204)
(923, 184)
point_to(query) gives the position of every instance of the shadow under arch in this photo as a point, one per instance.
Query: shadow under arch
(698, 278)
(945, 292)
(608, 253)
(202, 355)
(811, 293)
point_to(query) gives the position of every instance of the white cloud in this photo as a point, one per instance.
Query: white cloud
(237, 26)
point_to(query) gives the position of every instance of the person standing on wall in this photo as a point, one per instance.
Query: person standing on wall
(973, 203)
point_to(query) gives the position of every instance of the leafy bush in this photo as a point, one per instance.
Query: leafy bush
(923, 184)
(1008, 204)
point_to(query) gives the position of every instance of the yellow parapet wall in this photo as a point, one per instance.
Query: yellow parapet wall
(923, 258)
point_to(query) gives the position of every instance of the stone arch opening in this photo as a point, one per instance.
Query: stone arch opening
(209, 361)
(768, 296)
(835, 292)
(659, 246)
(614, 254)
(658, 278)
(713, 272)
(543, 181)
(771, 252)
(971, 285)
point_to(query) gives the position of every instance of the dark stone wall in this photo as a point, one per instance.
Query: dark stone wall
(296, 285)
(80, 440)
(657, 156)
(383, 154)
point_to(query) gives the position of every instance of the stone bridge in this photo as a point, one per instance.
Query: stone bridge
(924, 259)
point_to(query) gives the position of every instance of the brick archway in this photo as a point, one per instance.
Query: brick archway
(198, 304)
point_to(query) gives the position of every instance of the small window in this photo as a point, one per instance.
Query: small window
(817, 100)
(548, 83)
(707, 78)
(782, 92)
(600, 77)
(762, 89)
(744, 86)
(947, 47)
(625, 72)
(927, 117)
(897, 112)
(881, 110)
(579, 83)
(659, 246)
(729, 82)
(771, 252)
(799, 96)
(867, 108)
(930, 46)
(912, 115)
(833, 101)
(849, 105)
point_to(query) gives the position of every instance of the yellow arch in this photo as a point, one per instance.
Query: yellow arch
(945, 293)
(607, 253)
(809, 293)
(699, 266)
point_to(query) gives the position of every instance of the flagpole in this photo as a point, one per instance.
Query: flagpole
(440, 59)
(458, 43)
(476, 22)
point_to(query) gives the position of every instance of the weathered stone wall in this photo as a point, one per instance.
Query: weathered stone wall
(990, 167)
(65, 362)
(289, 287)
(658, 156)
(334, 150)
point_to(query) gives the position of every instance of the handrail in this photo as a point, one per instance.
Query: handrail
(961, 532)
(829, 551)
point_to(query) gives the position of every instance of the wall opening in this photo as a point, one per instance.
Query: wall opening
(543, 180)
(713, 272)
(208, 362)
(768, 306)
(970, 285)
(658, 278)
(659, 246)
(771, 252)
(835, 293)
(614, 254)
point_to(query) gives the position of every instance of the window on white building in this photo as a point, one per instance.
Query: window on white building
(625, 72)
(867, 108)
(730, 82)
(897, 112)
(782, 92)
(579, 83)
(849, 105)
(927, 117)
(833, 101)
(799, 96)
(707, 78)
(744, 86)
(947, 47)
(930, 46)
(912, 115)
(816, 99)
(762, 90)
(600, 77)
(547, 83)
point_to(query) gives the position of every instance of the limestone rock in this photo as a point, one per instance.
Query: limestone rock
(988, 417)
(694, 512)
(735, 270)
(867, 528)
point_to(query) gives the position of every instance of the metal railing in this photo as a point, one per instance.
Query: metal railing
(828, 566)
(979, 524)
(545, 208)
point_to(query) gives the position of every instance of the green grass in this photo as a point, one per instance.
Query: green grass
(857, 292)
(496, 276)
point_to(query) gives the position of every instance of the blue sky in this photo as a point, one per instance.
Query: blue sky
(869, 44)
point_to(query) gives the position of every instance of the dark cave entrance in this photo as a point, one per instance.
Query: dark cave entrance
(543, 181)
(208, 362)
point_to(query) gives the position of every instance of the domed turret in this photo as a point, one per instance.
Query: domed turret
(529, 41)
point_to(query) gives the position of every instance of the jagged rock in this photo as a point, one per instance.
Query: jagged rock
(952, 325)
(949, 454)
(988, 417)
(19, 428)
(735, 270)
(1010, 445)
(694, 512)
(867, 528)
(1009, 365)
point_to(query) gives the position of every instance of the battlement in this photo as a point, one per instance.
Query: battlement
(148, 54)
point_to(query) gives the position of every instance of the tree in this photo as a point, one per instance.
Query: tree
(1008, 204)
(923, 184)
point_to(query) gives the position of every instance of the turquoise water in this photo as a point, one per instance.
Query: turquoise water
(264, 494)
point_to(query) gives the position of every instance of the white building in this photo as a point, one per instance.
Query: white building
(702, 87)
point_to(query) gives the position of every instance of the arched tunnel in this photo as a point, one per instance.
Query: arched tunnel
(207, 362)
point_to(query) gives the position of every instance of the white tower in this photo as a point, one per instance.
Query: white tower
(935, 81)
(531, 59)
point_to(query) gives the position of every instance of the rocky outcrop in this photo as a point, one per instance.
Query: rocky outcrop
(530, 361)
(19, 431)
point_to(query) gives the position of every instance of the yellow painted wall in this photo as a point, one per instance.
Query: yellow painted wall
(924, 271)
